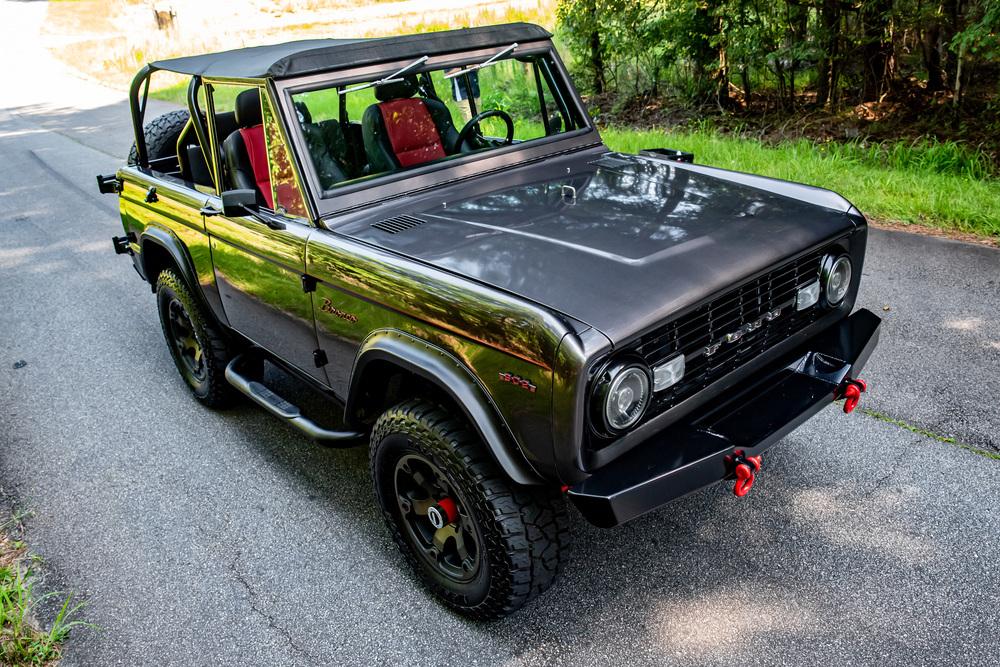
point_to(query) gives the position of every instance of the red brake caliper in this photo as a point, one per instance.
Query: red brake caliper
(851, 390)
(746, 469)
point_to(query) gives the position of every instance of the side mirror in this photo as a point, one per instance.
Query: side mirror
(236, 203)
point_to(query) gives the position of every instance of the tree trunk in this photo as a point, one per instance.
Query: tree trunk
(798, 23)
(957, 100)
(596, 53)
(779, 73)
(930, 47)
(951, 14)
(745, 80)
(722, 78)
(876, 49)
(830, 39)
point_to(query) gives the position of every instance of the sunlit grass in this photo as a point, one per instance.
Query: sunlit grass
(109, 44)
(23, 641)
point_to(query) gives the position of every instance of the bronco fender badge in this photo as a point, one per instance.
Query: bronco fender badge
(328, 307)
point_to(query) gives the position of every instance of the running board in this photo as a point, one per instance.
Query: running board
(279, 407)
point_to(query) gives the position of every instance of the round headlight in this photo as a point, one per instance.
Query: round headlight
(627, 397)
(837, 279)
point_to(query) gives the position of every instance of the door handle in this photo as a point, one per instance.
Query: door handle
(208, 210)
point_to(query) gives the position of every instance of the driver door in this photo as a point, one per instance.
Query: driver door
(259, 258)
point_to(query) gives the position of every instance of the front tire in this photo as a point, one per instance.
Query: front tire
(482, 544)
(198, 347)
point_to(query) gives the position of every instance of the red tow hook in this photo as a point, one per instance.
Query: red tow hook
(851, 390)
(746, 469)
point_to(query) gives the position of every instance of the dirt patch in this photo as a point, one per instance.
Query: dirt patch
(990, 242)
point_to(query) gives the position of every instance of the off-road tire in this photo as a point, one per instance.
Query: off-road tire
(161, 135)
(212, 390)
(524, 530)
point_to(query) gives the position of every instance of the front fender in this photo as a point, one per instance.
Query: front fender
(438, 366)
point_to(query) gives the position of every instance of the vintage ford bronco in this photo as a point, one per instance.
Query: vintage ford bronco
(427, 235)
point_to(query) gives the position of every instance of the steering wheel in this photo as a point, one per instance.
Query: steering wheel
(470, 129)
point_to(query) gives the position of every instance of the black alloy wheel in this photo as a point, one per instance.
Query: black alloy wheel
(185, 341)
(437, 519)
(484, 545)
(197, 344)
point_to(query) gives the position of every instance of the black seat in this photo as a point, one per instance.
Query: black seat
(246, 151)
(327, 146)
(406, 131)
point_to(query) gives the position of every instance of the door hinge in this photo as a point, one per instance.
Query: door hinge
(319, 358)
(308, 283)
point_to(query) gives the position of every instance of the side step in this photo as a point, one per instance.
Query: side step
(279, 407)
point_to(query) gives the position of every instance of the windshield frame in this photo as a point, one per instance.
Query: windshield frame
(371, 190)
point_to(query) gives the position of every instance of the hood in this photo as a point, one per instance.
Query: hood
(640, 239)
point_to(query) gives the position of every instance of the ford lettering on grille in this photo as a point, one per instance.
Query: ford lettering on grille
(749, 327)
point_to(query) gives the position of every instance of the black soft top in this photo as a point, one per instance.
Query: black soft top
(310, 56)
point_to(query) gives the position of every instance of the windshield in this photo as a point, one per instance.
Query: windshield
(414, 117)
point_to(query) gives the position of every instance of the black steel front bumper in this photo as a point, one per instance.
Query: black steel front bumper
(699, 451)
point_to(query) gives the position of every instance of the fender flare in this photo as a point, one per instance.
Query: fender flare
(175, 248)
(454, 378)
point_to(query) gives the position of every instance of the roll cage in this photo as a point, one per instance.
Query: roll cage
(364, 191)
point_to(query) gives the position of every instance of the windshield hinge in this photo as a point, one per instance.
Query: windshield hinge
(308, 283)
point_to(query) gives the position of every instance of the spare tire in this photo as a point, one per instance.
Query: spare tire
(161, 135)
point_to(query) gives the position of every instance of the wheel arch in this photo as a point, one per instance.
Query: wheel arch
(389, 352)
(161, 249)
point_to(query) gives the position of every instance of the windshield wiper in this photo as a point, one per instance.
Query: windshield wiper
(395, 77)
(493, 59)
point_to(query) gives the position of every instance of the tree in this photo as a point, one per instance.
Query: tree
(877, 51)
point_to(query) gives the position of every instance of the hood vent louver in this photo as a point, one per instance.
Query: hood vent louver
(399, 223)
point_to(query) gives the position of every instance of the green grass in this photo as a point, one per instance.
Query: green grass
(23, 642)
(934, 184)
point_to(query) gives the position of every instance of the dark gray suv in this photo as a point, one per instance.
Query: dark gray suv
(426, 239)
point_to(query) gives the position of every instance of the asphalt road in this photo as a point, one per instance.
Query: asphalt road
(224, 538)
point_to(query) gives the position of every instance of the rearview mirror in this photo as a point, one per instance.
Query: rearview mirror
(236, 203)
(555, 123)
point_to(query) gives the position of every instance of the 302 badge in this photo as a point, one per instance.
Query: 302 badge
(518, 381)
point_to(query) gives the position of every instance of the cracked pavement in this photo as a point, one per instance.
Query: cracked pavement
(202, 537)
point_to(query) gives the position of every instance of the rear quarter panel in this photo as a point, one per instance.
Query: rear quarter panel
(176, 211)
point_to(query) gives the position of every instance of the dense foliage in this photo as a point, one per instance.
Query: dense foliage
(821, 52)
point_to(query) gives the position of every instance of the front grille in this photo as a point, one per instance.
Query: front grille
(708, 325)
